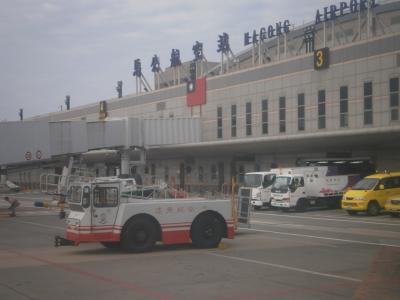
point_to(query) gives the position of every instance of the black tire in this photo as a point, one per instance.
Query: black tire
(373, 209)
(395, 215)
(139, 235)
(207, 231)
(111, 245)
(257, 207)
(285, 209)
(301, 205)
(352, 212)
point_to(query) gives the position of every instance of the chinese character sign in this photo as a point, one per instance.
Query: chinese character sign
(198, 51)
(155, 64)
(137, 68)
(175, 58)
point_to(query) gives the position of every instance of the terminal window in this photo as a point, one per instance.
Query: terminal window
(344, 106)
(219, 122)
(248, 118)
(282, 114)
(321, 110)
(300, 112)
(264, 116)
(233, 120)
(394, 99)
(368, 108)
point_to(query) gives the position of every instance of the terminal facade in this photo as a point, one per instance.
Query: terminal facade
(326, 92)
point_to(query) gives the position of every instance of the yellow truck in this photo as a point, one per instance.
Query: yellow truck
(371, 193)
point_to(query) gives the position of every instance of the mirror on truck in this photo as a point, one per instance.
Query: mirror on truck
(381, 186)
(86, 197)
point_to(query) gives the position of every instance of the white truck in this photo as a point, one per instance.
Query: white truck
(100, 213)
(260, 184)
(302, 187)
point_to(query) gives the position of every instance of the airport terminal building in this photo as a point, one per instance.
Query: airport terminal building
(325, 92)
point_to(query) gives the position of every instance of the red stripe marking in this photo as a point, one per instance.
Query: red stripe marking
(120, 284)
(92, 237)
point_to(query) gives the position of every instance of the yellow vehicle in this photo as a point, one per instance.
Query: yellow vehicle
(371, 193)
(392, 206)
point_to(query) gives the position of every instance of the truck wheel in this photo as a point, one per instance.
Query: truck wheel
(206, 231)
(111, 245)
(302, 205)
(139, 235)
(394, 215)
(373, 209)
(352, 212)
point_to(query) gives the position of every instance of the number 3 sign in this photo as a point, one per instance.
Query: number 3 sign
(321, 59)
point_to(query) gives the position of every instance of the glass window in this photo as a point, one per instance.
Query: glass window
(394, 98)
(300, 112)
(366, 184)
(233, 120)
(282, 114)
(368, 106)
(252, 180)
(105, 197)
(74, 195)
(219, 122)
(248, 118)
(264, 116)
(321, 109)
(344, 106)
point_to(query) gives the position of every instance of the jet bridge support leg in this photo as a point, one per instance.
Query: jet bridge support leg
(125, 161)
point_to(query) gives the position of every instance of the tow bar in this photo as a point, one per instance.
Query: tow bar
(60, 241)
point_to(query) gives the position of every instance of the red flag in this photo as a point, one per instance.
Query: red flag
(196, 92)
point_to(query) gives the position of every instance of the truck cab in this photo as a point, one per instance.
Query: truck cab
(260, 184)
(288, 191)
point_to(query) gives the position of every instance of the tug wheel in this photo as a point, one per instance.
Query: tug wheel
(207, 230)
(140, 235)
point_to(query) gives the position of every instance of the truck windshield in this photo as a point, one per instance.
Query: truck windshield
(281, 184)
(366, 184)
(74, 194)
(253, 180)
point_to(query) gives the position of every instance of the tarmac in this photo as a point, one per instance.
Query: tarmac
(319, 254)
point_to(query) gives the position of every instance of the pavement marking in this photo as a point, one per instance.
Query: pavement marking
(330, 219)
(99, 278)
(286, 267)
(38, 224)
(278, 224)
(322, 237)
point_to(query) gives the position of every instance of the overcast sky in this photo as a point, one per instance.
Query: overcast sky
(83, 47)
